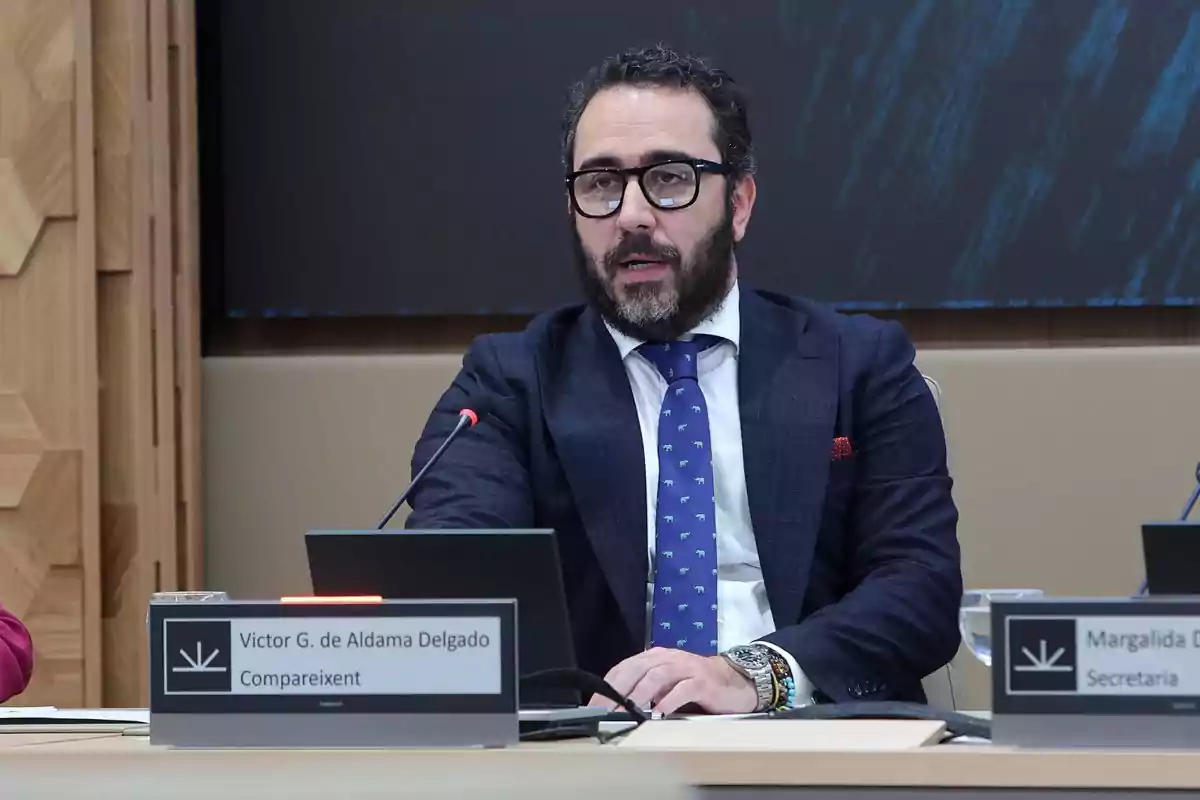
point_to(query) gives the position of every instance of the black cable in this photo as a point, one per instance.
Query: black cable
(554, 733)
(579, 680)
(609, 738)
(558, 733)
(566, 678)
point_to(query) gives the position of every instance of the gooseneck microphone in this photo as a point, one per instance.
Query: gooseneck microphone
(467, 418)
(1187, 512)
(1191, 503)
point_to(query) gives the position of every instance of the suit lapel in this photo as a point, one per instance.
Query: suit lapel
(592, 418)
(787, 390)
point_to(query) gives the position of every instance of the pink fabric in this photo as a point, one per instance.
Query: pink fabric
(16, 655)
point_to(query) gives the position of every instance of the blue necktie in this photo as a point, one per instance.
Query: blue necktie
(684, 607)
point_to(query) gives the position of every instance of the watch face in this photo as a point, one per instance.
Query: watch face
(749, 657)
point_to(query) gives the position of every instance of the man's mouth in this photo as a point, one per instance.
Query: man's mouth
(640, 262)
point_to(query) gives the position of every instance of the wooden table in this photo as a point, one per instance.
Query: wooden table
(115, 765)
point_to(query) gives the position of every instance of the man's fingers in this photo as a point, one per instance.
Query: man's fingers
(689, 690)
(657, 681)
(626, 675)
(648, 676)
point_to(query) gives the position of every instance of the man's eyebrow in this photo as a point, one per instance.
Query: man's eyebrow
(606, 161)
(600, 162)
(666, 155)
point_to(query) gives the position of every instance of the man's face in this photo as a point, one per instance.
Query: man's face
(655, 273)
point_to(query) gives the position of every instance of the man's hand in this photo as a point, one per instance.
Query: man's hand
(667, 679)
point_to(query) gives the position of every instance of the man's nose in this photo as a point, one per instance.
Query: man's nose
(636, 212)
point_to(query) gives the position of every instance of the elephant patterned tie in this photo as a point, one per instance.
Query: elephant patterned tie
(684, 606)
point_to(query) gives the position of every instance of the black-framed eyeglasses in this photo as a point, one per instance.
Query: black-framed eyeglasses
(669, 185)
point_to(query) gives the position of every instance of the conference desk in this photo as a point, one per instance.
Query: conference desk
(125, 764)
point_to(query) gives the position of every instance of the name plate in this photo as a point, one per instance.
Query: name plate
(1096, 672)
(317, 673)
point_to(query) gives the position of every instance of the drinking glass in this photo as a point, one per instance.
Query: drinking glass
(975, 617)
(195, 596)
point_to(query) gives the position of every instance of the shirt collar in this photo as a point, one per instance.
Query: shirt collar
(724, 323)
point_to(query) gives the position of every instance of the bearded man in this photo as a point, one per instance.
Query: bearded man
(749, 491)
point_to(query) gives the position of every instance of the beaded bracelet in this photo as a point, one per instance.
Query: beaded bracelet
(785, 684)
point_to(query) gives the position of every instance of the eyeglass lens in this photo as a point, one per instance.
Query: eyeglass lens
(665, 185)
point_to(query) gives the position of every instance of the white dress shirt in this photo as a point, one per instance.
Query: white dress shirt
(743, 612)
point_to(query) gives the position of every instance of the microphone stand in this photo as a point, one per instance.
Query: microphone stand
(466, 418)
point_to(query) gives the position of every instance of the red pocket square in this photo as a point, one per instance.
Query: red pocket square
(841, 449)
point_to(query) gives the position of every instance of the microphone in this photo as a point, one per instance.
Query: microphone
(1187, 512)
(467, 418)
(1191, 503)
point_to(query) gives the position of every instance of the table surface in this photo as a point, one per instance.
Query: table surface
(715, 761)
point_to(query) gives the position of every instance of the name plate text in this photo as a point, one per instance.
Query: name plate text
(1103, 656)
(396, 656)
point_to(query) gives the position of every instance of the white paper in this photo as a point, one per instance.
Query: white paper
(51, 714)
(14, 712)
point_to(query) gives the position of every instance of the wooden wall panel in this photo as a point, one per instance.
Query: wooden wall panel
(48, 443)
(145, 379)
(162, 282)
(98, 403)
(89, 405)
(185, 252)
(128, 477)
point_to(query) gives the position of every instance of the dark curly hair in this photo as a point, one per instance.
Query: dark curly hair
(661, 66)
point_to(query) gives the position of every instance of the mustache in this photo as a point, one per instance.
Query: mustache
(640, 244)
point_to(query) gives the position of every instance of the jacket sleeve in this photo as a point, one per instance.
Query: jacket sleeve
(16, 656)
(482, 479)
(899, 621)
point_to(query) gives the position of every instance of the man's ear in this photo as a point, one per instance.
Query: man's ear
(744, 193)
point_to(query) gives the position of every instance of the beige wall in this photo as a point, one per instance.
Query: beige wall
(1059, 455)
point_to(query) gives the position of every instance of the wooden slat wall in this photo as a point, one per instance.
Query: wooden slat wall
(185, 254)
(49, 518)
(99, 364)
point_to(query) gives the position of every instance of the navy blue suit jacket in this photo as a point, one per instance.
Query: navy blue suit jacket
(860, 556)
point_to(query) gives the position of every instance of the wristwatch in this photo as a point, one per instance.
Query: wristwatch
(751, 661)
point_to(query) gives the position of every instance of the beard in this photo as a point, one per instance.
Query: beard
(649, 311)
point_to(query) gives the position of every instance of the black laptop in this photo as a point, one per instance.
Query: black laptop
(1171, 551)
(461, 565)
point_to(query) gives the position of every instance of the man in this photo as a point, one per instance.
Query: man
(749, 491)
